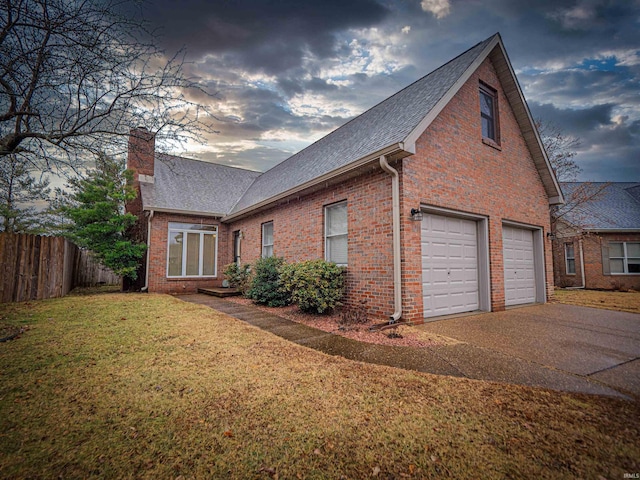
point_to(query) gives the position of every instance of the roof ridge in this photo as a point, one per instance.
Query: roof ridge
(158, 154)
(385, 100)
(345, 144)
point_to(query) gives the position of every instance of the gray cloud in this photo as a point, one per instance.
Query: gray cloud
(609, 150)
(291, 43)
(574, 122)
(267, 35)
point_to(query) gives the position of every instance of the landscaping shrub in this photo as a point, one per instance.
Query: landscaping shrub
(266, 286)
(315, 285)
(239, 276)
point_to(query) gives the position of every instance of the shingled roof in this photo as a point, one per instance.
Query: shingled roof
(615, 207)
(390, 128)
(386, 124)
(183, 185)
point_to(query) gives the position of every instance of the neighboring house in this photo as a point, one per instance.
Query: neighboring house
(436, 200)
(597, 243)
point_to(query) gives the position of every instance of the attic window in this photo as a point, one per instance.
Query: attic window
(489, 113)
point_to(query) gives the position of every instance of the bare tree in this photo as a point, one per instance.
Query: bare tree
(561, 151)
(76, 75)
(19, 192)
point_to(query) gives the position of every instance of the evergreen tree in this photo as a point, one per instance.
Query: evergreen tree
(19, 194)
(96, 208)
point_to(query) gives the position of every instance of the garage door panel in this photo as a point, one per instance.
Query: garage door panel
(519, 265)
(449, 264)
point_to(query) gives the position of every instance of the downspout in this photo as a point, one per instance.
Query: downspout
(397, 266)
(146, 274)
(581, 262)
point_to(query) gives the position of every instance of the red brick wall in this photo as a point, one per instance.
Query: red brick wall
(593, 269)
(298, 231)
(141, 152)
(140, 160)
(158, 281)
(298, 234)
(454, 169)
(593, 262)
(560, 275)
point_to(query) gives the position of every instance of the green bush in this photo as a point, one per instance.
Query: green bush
(266, 286)
(239, 276)
(315, 285)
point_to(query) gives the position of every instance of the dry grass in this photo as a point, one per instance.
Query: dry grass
(621, 301)
(146, 386)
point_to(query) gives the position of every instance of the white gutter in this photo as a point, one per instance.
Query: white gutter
(394, 148)
(397, 266)
(146, 273)
(184, 212)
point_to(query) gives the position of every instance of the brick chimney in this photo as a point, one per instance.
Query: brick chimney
(140, 158)
(142, 145)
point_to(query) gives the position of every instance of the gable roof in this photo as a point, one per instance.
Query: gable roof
(392, 128)
(387, 124)
(616, 207)
(182, 185)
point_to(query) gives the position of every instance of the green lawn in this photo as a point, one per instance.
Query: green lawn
(146, 386)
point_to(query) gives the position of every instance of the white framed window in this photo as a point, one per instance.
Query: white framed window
(570, 258)
(624, 258)
(192, 250)
(267, 239)
(335, 233)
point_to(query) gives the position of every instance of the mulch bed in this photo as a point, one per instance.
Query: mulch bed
(403, 335)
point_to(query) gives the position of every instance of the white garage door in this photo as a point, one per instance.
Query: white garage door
(449, 265)
(519, 266)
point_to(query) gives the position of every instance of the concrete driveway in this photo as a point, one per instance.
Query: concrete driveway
(601, 346)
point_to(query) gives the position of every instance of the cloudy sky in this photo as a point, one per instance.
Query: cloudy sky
(285, 73)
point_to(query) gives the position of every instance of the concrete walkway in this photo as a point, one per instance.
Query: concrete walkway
(459, 360)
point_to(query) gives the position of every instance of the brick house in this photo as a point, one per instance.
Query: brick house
(597, 243)
(437, 200)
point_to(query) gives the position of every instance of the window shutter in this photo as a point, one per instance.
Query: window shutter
(606, 268)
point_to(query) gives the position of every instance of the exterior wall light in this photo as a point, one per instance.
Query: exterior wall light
(416, 215)
(551, 235)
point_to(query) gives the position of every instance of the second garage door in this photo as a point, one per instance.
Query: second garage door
(519, 266)
(449, 265)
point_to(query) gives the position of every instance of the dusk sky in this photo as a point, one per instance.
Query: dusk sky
(286, 73)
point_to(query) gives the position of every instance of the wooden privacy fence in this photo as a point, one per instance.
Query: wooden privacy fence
(34, 267)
